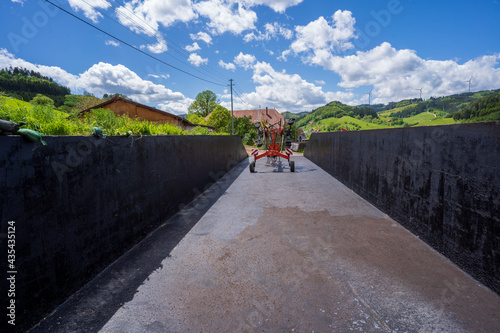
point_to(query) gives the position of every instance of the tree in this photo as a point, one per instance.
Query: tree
(220, 119)
(204, 104)
(242, 126)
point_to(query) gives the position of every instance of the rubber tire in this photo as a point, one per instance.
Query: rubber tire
(252, 166)
(292, 166)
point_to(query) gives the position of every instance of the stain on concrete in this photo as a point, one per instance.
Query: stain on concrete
(440, 182)
(304, 271)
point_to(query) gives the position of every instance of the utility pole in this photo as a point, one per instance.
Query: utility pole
(232, 116)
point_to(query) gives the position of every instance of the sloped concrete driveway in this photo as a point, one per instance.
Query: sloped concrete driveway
(299, 252)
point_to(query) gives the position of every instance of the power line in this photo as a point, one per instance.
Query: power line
(238, 94)
(178, 49)
(133, 47)
(148, 33)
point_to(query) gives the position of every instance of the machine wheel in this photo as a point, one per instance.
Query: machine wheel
(252, 166)
(292, 166)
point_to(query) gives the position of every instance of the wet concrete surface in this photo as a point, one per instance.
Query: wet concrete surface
(300, 252)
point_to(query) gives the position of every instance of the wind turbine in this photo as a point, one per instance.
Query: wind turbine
(420, 91)
(370, 97)
(469, 82)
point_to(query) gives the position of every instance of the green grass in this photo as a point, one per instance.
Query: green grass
(49, 121)
(427, 119)
(387, 113)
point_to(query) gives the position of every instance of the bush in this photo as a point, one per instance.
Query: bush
(42, 101)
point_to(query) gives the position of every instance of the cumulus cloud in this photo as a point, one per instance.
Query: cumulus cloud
(234, 16)
(176, 107)
(201, 36)
(270, 31)
(192, 48)
(225, 16)
(112, 43)
(229, 66)
(197, 60)
(145, 16)
(396, 74)
(100, 79)
(89, 8)
(244, 60)
(321, 36)
(159, 47)
(287, 92)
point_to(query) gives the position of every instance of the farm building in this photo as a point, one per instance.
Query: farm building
(122, 106)
(271, 115)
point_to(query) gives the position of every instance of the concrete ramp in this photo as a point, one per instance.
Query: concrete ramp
(299, 252)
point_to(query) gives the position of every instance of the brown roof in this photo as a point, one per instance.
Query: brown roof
(118, 98)
(271, 115)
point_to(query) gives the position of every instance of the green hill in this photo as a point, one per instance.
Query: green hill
(298, 115)
(25, 84)
(466, 107)
(335, 110)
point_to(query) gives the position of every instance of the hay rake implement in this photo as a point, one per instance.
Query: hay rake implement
(274, 138)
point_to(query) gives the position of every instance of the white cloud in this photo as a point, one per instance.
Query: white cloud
(201, 36)
(287, 92)
(226, 16)
(19, 1)
(197, 60)
(112, 43)
(277, 5)
(176, 107)
(159, 47)
(229, 66)
(244, 60)
(320, 82)
(192, 48)
(102, 78)
(271, 31)
(320, 36)
(89, 8)
(396, 74)
(156, 76)
(145, 16)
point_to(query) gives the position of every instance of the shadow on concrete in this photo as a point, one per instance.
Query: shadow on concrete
(263, 166)
(89, 309)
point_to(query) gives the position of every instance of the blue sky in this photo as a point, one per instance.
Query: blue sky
(292, 55)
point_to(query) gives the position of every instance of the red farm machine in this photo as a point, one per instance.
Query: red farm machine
(274, 138)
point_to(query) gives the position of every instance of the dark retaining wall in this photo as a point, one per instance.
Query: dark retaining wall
(81, 202)
(440, 182)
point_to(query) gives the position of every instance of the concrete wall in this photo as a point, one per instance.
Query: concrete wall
(440, 182)
(81, 202)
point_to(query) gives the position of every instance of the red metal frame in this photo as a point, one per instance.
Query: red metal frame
(274, 149)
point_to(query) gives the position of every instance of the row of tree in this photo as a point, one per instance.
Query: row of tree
(25, 85)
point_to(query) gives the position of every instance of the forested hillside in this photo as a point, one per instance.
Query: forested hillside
(25, 84)
(484, 109)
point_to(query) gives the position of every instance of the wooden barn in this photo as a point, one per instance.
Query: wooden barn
(122, 106)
